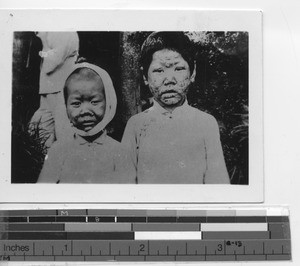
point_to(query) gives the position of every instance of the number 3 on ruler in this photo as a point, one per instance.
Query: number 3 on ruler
(220, 247)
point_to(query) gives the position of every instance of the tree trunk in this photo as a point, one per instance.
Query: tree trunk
(130, 73)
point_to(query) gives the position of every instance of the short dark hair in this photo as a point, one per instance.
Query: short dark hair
(175, 41)
(82, 73)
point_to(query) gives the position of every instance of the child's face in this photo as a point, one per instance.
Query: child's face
(169, 78)
(85, 103)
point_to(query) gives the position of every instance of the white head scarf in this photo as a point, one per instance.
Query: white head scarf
(110, 96)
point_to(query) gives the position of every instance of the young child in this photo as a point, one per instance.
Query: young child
(90, 156)
(173, 142)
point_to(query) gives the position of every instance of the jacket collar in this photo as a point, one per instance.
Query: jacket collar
(82, 141)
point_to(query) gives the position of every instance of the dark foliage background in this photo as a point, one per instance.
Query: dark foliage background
(221, 89)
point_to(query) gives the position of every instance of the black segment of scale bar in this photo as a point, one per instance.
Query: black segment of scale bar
(101, 219)
(131, 219)
(221, 219)
(191, 219)
(66, 219)
(42, 219)
(161, 219)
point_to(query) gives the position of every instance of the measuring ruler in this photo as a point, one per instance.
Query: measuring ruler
(145, 235)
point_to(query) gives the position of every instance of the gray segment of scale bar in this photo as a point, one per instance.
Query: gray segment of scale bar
(132, 213)
(190, 258)
(251, 257)
(164, 213)
(69, 258)
(99, 258)
(160, 258)
(31, 258)
(35, 227)
(279, 230)
(78, 212)
(39, 258)
(102, 212)
(279, 257)
(220, 258)
(129, 258)
(166, 227)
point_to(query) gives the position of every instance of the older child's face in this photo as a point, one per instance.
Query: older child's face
(169, 78)
(86, 103)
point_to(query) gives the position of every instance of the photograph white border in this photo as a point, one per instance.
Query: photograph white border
(134, 20)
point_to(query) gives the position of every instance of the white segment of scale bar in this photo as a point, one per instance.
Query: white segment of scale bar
(166, 235)
(211, 227)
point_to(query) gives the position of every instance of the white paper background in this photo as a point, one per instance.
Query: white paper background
(281, 95)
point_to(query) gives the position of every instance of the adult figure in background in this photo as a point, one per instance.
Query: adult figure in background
(59, 54)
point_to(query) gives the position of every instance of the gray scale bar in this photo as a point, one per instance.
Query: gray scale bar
(78, 212)
(39, 258)
(160, 258)
(190, 258)
(34, 227)
(102, 212)
(279, 230)
(278, 219)
(69, 258)
(251, 257)
(164, 213)
(236, 235)
(220, 258)
(132, 213)
(279, 257)
(130, 258)
(99, 258)
(166, 227)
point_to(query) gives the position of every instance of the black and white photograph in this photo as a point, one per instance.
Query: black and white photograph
(171, 106)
